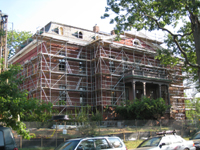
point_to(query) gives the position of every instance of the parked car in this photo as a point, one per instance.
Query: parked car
(93, 143)
(166, 141)
(196, 140)
(7, 141)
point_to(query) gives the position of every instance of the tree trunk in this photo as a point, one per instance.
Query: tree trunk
(196, 34)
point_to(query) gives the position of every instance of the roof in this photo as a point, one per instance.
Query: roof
(53, 22)
(139, 34)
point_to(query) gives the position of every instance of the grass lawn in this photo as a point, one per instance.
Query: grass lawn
(132, 144)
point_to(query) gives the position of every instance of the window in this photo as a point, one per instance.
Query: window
(87, 145)
(62, 65)
(81, 67)
(61, 31)
(136, 42)
(62, 95)
(80, 35)
(56, 30)
(111, 64)
(33, 69)
(101, 144)
(39, 65)
(83, 98)
(115, 142)
(68, 145)
(25, 71)
(164, 95)
(125, 66)
(150, 142)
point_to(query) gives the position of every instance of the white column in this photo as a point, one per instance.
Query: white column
(168, 94)
(133, 85)
(160, 90)
(144, 88)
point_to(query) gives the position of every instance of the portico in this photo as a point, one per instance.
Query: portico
(139, 86)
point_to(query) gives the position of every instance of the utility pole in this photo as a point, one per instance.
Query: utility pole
(3, 41)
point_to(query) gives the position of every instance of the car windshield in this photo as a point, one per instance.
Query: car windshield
(196, 136)
(152, 142)
(68, 145)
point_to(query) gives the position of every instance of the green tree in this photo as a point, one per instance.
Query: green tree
(193, 108)
(14, 102)
(145, 108)
(96, 116)
(15, 39)
(162, 14)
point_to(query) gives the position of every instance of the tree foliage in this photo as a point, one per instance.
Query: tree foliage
(154, 15)
(14, 102)
(145, 108)
(86, 114)
(15, 39)
(193, 109)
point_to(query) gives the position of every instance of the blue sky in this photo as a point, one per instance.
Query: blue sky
(28, 15)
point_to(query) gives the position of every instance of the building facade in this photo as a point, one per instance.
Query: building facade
(74, 67)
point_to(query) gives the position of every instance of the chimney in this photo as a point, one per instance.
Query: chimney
(112, 32)
(96, 28)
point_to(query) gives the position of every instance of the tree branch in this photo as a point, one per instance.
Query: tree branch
(175, 40)
(184, 54)
(167, 29)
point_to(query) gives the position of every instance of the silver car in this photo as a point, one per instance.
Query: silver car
(166, 142)
(93, 143)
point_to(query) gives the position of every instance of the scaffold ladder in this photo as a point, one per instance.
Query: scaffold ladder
(77, 86)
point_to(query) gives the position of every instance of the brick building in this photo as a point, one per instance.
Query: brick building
(72, 67)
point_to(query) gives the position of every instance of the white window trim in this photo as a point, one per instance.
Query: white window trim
(138, 41)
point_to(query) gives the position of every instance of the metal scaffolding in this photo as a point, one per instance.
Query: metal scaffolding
(74, 73)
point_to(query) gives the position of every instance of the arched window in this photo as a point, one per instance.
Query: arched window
(61, 31)
(136, 42)
(80, 35)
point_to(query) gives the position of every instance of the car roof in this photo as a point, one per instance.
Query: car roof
(96, 137)
(167, 135)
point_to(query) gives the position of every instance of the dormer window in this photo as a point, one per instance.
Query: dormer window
(136, 42)
(80, 35)
(56, 30)
(61, 31)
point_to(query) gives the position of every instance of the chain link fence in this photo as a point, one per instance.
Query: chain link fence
(51, 134)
